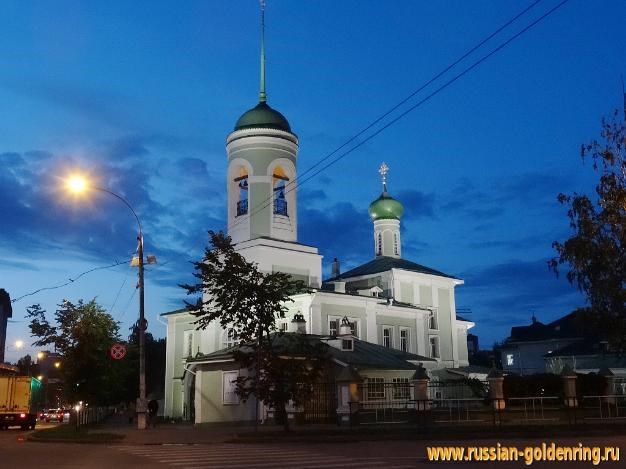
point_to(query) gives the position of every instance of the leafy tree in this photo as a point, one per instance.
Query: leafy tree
(83, 334)
(26, 366)
(242, 298)
(596, 252)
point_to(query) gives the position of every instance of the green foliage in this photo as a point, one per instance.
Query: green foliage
(236, 293)
(83, 334)
(596, 252)
(290, 364)
(242, 298)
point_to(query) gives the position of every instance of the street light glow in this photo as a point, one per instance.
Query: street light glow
(19, 343)
(77, 184)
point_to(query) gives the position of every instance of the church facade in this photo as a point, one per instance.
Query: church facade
(395, 308)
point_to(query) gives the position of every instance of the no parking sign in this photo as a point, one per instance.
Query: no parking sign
(118, 351)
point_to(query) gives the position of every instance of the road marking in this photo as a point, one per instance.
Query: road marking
(243, 457)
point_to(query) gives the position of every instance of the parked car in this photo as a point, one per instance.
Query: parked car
(55, 415)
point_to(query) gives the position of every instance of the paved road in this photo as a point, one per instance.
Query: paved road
(15, 452)
(384, 454)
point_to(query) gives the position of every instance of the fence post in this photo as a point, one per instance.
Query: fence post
(609, 385)
(569, 387)
(420, 389)
(496, 394)
(348, 395)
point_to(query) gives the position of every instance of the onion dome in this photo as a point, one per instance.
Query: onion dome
(262, 116)
(385, 207)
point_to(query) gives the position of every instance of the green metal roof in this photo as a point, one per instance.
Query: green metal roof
(262, 116)
(385, 207)
(385, 263)
(364, 356)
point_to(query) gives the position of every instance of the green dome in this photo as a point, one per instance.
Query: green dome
(264, 117)
(386, 207)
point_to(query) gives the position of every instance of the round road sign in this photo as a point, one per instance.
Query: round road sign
(118, 351)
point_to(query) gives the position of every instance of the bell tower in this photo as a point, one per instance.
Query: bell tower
(262, 153)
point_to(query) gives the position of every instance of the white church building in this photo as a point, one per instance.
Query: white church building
(402, 313)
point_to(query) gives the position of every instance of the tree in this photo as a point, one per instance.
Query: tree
(596, 252)
(83, 335)
(247, 301)
(26, 366)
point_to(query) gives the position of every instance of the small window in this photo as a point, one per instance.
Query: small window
(387, 336)
(396, 248)
(283, 326)
(404, 340)
(229, 387)
(379, 244)
(229, 338)
(333, 327)
(432, 320)
(347, 344)
(187, 344)
(375, 388)
(401, 388)
(434, 347)
(510, 360)
(354, 328)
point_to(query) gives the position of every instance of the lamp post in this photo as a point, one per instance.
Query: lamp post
(78, 185)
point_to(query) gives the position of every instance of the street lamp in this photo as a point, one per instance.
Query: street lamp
(78, 185)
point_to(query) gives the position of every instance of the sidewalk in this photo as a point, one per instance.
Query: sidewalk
(187, 433)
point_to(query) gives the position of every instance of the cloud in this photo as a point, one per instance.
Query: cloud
(338, 230)
(508, 293)
(93, 104)
(417, 204)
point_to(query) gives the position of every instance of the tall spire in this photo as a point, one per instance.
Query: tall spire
(262, 95)
(383, 170)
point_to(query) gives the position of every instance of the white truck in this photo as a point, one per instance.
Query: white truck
(18, 397)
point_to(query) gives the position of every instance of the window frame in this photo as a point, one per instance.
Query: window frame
(229, 400)
(390, 337)
(375, 388)
(407, 339)
(226, 342)
(437, 352)
(401, 389)
(433, 320)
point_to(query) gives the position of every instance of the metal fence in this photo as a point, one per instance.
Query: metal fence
(466, 402)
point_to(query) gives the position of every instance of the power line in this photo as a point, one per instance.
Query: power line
(70, 281)
(410, 109)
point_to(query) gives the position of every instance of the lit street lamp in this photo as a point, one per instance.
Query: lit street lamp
(78, 185)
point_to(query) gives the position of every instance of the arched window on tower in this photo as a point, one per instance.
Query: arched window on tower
(280, 203)
(242, 183)
(396, 247)
(379, 244)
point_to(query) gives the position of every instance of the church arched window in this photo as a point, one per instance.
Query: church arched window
(242, 199)
(379, 244)
(280, 202)
(396, 246)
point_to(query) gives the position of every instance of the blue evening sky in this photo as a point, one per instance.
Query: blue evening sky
(143, 94)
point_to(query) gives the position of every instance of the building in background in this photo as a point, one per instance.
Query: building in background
(6, 311)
